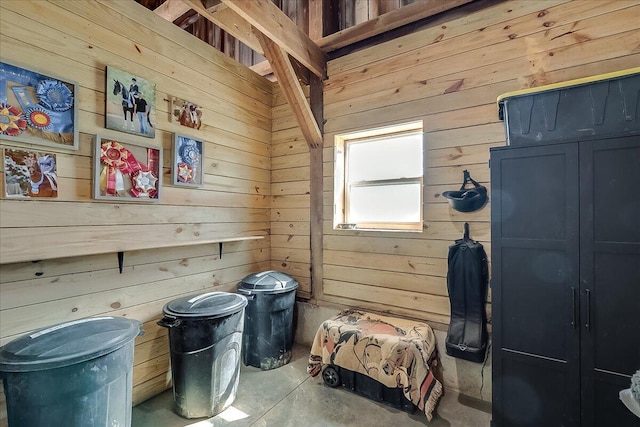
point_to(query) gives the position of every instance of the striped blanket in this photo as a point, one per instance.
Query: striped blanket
(395, 352)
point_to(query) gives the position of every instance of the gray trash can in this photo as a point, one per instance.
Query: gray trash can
(205, 339)
(268, 328)
(74, 374)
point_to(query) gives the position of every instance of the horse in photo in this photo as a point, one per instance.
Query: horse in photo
(127, 102)
(190, 116)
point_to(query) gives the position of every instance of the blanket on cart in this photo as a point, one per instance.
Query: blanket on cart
(395, 352)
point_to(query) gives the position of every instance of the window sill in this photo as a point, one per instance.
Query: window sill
(382, 230)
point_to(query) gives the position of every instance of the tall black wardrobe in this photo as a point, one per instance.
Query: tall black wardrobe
(565, 239)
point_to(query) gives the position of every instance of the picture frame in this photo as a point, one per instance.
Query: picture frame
(29, 174)
(187, 166)
(185, 113)
(126, 171)
(126, 95)
(38, 108)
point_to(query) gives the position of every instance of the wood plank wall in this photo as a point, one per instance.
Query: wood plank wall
(449, 76)
(290, 231)
(77, 40)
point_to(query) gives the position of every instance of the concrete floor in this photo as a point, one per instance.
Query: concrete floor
(287, 396)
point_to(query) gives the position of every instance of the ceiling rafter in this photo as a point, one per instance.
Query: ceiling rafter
(172, 9)
(229, 21)
(239, 20)
(277, 43)
(262, 68)
(263, 27)
(283, 69)
(276, 26)
(396, 18)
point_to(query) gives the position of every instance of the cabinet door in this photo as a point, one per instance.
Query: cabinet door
(534, 238)
(610, 277)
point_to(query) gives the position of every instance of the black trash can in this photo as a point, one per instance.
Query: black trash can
(205, 338)
(268, 329)
(74, 374)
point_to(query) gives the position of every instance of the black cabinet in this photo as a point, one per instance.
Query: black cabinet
(565, 227)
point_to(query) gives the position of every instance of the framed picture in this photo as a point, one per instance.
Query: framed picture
(126, 171)
(130, 103)
(37, 108)
(186, 113)
(187, 168)
(29, 174)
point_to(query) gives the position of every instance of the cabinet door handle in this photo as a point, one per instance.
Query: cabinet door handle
(574, 322)
(588, 323)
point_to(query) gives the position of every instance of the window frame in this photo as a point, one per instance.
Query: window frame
(341, 183)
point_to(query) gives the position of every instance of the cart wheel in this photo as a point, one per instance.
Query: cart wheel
(330, 376)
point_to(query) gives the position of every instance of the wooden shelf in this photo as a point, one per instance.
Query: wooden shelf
(50, 248)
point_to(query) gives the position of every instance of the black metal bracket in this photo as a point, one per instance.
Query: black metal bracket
(121, 257)
(120, 261)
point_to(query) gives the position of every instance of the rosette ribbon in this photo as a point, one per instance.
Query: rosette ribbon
(144, 184)
(54, 95)
(38, 118)
(12, 121)
(185, 173)
(117, 161)
(189, 152)
(190, 156)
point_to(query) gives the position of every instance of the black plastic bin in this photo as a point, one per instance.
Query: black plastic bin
(334, 376)
(268, 330)
(205, 338)
(74, 374)
(602, 106)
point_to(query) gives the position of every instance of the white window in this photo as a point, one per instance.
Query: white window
(379, 179)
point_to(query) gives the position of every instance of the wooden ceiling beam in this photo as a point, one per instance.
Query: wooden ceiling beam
(316, 28)
(420, 9)
(273, 23)
(172, 9)
(288, 81)
(187, 19)
(213, 6)
(228, 20)
(262, 68)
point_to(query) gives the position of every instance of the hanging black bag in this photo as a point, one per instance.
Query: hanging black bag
(467, 281)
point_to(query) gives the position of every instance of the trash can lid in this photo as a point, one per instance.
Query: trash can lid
(211, 305)
(271, 281)
(67, 343)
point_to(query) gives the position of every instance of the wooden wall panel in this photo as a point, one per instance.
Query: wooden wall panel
(448, 76)
(76, 40)
(290, 234)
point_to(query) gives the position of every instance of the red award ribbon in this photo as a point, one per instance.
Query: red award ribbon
(115, 157)
(185, 173)
(143, 183)
(144, 179)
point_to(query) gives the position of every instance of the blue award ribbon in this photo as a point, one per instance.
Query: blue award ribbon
(61, 121)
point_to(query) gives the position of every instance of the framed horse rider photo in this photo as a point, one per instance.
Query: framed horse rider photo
(37, 108)
(130, 103)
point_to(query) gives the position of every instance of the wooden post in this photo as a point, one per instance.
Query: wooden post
(316, 188)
